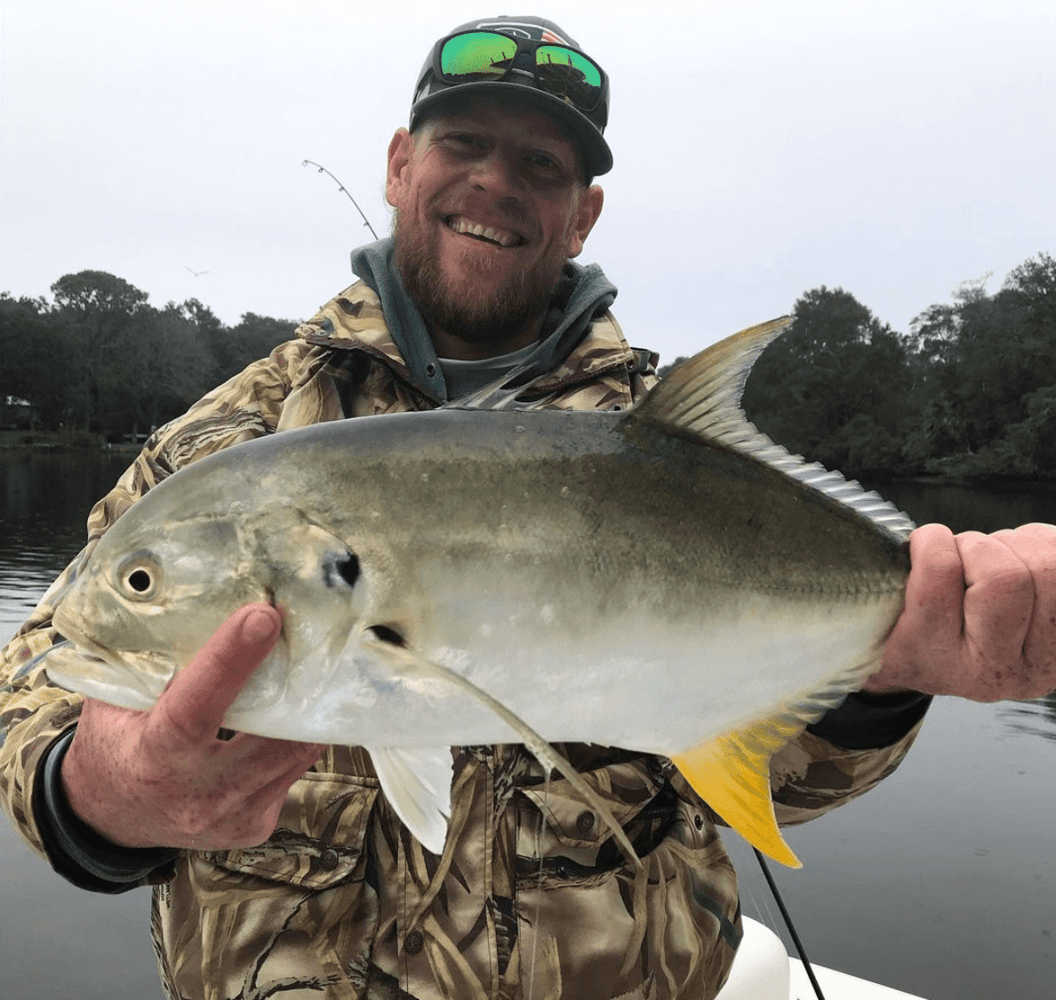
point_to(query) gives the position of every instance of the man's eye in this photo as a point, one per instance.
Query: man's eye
(542, 161)
(465, 140)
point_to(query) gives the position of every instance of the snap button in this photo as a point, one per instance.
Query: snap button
(698, 821)
(430, 369)
(414, 942)
(328, 859)
(585, 821)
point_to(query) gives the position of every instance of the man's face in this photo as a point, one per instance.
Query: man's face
(489, 206)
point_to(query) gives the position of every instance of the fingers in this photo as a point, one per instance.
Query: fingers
(998, 607)
(237, 802)
(163, 778)
(936, 583)
(930, 627)
(192, 707)
(980, 616)
(1035, 546)
(269, 758)
(286, 768)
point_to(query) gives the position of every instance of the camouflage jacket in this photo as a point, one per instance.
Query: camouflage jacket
(530, 898)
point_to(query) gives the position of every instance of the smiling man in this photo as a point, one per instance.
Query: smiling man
(492, 197)
(491, 203)
(279, 867)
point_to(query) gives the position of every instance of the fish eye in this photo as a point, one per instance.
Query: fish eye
(139, 577)
(139, 580)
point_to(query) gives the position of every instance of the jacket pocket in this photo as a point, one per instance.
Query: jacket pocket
(630, 791)
(665, 929)
(320, 835)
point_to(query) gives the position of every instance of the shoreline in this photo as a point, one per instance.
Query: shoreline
(59, 441)
(52, 441)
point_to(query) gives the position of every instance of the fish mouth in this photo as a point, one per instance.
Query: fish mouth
(484, 232)
(90, 650)
(130, 679)
(122, 680)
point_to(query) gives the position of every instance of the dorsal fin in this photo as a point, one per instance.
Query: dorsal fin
(702, 396)
(701, 399)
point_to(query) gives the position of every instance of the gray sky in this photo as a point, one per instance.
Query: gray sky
(892, 148)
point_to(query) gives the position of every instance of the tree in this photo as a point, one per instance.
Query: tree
(169, 366)
(35, 367)
(249, 341)
(96, 312)
(991, 362)
(1033, 284)
(834, 388)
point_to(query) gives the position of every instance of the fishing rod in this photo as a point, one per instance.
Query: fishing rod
(762, 861)
(788, 923)
(341, 187)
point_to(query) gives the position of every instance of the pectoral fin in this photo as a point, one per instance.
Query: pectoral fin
(401, 659)
(417, 783)
(732, 774)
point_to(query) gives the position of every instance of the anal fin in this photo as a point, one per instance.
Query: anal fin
(732, 774)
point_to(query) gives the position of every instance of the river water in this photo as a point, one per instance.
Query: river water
(941, 882)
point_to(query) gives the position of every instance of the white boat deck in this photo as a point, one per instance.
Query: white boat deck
(763, 971)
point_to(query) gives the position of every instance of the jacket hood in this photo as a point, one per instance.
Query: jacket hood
(580, 338)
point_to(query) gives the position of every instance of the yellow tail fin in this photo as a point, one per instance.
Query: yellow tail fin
(732, 774)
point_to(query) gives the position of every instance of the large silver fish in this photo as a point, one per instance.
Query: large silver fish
(664, 579)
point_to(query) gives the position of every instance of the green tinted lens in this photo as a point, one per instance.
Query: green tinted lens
(569, 75)
(476, 55)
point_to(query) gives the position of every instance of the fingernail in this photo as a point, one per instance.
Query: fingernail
(258, 627)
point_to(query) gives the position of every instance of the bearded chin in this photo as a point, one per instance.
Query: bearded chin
(477, 315)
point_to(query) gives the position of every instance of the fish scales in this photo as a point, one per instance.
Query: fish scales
(627, 579)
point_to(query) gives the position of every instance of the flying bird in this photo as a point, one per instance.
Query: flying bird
(195, 273)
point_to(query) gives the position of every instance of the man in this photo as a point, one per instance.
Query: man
(278, 868)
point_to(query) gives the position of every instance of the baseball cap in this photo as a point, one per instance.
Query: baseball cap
(544, 63)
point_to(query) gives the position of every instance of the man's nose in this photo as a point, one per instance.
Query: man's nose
(499, 174)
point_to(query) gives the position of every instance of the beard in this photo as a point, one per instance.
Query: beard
(474, 312)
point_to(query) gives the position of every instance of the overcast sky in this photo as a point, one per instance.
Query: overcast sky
(893, 148)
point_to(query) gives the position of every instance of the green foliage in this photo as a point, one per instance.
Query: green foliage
(101, 359)
(990, 365)
(35, 366)
(834, 388)
(971, 391)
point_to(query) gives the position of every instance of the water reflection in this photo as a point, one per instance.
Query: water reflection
(1035, 718)
(44, 501)
(22, 583)
(987, 508)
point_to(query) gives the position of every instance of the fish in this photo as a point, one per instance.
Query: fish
(663, 578)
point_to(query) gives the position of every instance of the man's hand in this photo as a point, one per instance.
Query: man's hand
(162, 778)
(980, 616)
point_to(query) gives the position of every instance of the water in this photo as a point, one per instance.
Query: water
(940, 882)
(57, 942)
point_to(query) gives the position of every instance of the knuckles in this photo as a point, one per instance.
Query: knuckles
(983, 625)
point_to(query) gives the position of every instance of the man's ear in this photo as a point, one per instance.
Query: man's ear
(591, 201)
(400, 150)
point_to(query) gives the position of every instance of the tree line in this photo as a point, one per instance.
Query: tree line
(970, 391)
(99, 358)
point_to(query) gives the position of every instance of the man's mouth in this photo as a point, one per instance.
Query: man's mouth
(488, 234)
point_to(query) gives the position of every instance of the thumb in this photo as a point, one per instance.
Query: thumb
(199, 695)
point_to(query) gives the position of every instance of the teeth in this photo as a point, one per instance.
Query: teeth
(503, 237)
